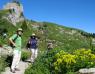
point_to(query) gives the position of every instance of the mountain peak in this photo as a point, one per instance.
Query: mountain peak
(16, 12)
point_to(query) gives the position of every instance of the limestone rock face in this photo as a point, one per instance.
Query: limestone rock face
(16, 12)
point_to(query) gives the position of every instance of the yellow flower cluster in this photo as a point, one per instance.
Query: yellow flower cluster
(64, 58)
(85, 54)
(67, 59)
(82, 51)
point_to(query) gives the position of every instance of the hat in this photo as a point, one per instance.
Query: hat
(33, 34)
(20, 29)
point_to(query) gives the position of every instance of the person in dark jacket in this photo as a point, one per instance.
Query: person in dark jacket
(33, 47)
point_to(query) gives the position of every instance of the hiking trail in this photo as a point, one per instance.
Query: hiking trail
(22, 67)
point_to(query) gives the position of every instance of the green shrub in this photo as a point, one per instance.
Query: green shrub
(25, 55)
(43, 64)
(71, 73)
(68, 62)
(3, 64)
(38, 67)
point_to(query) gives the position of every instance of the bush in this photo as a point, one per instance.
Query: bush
(43, 63)
(85, 58)
(39, 66)
(25, 55)
(66, 62)
(3, 64)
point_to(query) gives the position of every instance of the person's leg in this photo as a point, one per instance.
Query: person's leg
(36, 53)
(15, 56)
(18, 60)
(32, 55)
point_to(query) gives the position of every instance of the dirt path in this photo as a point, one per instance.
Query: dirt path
(22, 67)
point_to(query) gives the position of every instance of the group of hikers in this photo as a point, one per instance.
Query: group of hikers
(16, 44)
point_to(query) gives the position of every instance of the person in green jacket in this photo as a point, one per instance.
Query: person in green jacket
(16, 40)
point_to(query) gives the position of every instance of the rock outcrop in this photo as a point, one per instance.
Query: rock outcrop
(87, 71)
(5, 50)
(16, 12)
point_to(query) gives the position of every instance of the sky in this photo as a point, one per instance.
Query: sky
(72, 13)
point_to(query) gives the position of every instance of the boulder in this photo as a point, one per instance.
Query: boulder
(83, 71)
(87, 71)
(91, 70)
(6, 50)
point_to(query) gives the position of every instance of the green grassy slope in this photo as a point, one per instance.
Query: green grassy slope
(62, 37)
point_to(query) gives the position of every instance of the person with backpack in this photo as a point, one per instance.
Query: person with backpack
(15, 42)
(49, 46)
(33, 47)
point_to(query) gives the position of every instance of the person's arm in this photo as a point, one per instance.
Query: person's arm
(11, 40)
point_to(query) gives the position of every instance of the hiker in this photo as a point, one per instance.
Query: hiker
(33, 47)
(15, 41)
(49, 46)
(4, 35)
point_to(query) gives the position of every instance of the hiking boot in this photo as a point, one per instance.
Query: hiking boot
(17, 69)
(13, 71)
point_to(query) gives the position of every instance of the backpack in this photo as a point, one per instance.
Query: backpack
(10, 44)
